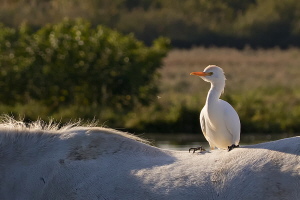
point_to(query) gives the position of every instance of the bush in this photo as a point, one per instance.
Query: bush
(70, 63)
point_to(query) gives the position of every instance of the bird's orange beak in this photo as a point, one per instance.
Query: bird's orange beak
(201, 73)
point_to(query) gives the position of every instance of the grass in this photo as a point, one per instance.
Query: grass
(244, 69)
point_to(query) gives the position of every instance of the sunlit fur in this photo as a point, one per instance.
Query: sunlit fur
(40, 161)
(18, 131)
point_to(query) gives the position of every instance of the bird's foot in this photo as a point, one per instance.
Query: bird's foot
(196, 149)
(232, 147)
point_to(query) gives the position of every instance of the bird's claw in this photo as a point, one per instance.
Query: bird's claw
(232, 147)
(196, 149)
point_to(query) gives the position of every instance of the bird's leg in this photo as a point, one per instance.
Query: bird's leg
(232, 147)
(196, 149)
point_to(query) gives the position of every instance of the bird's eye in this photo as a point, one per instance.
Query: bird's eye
(210, 73)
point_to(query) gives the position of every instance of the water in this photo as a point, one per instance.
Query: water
(182, 142)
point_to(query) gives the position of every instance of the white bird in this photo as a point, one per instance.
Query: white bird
(219, 121)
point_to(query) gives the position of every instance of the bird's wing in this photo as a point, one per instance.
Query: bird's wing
(202, 123)
(232, 122)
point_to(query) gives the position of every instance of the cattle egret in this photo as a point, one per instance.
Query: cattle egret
(219, 121)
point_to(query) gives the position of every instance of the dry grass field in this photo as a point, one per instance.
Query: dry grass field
(245, 69)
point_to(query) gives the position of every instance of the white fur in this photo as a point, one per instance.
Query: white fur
(98, 163)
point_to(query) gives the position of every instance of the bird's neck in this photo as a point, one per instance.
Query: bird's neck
(215, 92)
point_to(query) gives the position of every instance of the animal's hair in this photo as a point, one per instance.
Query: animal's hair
(8, 122)
(11, 126)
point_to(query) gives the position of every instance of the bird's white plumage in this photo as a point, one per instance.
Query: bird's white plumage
(219, 121)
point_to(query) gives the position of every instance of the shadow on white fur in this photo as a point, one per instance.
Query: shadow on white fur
(39, 161)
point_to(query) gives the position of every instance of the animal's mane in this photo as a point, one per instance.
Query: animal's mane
(9, 123)
(11, 127)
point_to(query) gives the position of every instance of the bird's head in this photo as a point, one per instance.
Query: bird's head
(211, 73)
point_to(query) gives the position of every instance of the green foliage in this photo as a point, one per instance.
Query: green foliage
(13, 60)
(70, 63)
(264, 110)
(270, 21)
(260, 23)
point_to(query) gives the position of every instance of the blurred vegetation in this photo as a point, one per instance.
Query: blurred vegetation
(258, 23)
(72, 70)
(262, 85)
(104, 61)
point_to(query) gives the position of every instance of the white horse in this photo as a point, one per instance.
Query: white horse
(74, 162)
